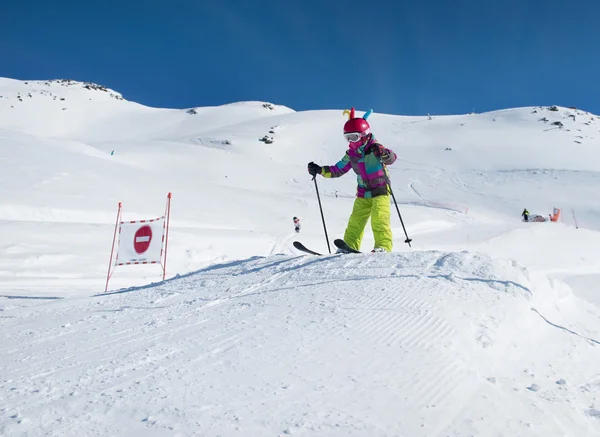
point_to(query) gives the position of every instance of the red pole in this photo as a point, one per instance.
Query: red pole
(113, 247)
(167, 236)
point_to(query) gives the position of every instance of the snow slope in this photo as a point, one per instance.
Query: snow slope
(486, 326)
(234, 196)
(422, 344)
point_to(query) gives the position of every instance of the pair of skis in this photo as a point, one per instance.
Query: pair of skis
(339, 243)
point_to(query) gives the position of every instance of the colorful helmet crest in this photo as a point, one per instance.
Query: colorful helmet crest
(357, 124)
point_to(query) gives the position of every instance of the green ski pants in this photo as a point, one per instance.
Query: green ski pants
(378, 209)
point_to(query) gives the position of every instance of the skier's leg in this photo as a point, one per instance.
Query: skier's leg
(380, 222)
(357, 222)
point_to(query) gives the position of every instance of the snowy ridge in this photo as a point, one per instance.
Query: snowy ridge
(421, 345)
(48, 88)
(82, 111)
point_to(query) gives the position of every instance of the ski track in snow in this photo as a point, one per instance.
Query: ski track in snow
(269, 346)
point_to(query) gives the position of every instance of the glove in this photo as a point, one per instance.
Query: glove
(314, 169)
(379, 151)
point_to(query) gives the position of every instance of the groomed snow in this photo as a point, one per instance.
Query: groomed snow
(427, 343)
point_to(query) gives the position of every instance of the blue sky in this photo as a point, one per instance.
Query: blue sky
(399, 57)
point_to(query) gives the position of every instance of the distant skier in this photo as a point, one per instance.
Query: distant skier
(525, 215)
(367, 158)
(296, 224)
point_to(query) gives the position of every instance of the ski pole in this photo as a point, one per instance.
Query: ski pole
(389, 184)
(321, 208)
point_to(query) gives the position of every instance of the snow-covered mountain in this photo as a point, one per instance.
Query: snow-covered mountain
(485, 326)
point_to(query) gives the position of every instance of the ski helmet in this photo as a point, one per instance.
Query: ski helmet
(356, 125)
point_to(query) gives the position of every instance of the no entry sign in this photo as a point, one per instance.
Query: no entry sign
(142, 239)
(141, 242)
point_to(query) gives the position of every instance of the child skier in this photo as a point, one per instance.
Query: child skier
(368, 159)
(296, 224)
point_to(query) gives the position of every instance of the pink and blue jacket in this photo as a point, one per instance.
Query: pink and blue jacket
(370, 174)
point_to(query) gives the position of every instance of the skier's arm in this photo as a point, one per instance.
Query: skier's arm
(337, 170)
(387, 156)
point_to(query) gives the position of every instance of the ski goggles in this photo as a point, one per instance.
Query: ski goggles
(353, 137)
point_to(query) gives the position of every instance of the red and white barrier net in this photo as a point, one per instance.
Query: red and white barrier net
(140, 242)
